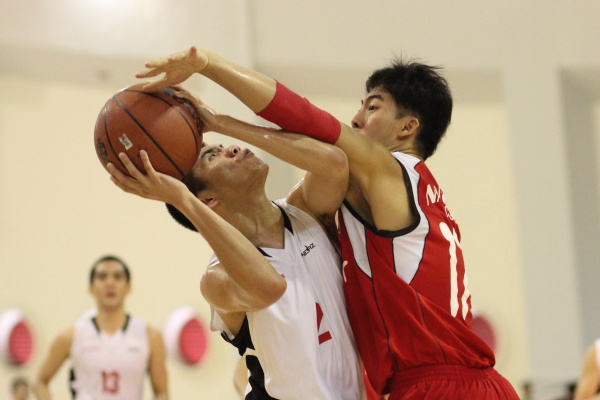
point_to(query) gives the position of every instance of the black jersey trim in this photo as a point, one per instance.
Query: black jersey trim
(96, 325)
(413, 208)
(263, 252)
(256, 380)
(123, 329)
(71, 381)
(126, 324)
(287, 224)
(243, 341)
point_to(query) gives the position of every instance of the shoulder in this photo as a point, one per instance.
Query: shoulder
(64, 340)
(154, 336)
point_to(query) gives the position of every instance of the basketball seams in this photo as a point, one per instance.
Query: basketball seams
(148, 135)
(174, 106)
(105, 119)
(159, 122)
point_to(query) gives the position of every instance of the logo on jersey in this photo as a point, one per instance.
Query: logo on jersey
(434, 194)
(307, 249)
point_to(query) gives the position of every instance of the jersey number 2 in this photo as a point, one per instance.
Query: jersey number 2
(110, 382)
(325, 336)
(452, 238)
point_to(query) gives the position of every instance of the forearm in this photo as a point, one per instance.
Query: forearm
(244, 264)
(41, 392)
(301, 151)
(161, 396)
(252, 88)
(272, 100)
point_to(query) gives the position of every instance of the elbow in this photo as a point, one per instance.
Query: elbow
(338, 161)
(271, 294)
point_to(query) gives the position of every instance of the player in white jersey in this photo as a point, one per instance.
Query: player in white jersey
(588, 385)
(111, 352)
(275, 284)
(314, 295)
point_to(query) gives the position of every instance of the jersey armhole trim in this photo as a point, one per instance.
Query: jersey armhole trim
(242, 340)
(413, 208)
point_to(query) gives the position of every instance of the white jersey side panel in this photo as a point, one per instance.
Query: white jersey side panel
(304, 341)
(407, 248)
(109, 367)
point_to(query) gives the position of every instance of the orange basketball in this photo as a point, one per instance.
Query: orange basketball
(165, 126)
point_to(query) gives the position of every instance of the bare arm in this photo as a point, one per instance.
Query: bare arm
(251, 282)
(587, 386)
(373, 171)
(254, 89)
(157, 368)
(59, 352)
(240, 376)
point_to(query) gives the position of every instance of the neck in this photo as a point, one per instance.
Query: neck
(260, 221)
(111, 320)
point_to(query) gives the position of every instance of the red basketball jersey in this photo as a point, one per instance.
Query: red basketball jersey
(406, 291)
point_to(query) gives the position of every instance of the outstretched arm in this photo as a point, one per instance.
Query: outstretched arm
(263, 95)
(324, 186)
(372, 169)
(252, 88)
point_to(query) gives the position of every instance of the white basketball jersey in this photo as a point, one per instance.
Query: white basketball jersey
(109, 367)
(303, 342)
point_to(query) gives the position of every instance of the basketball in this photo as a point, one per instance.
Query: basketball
(165, 126)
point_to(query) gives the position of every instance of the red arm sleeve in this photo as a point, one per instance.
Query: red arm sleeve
(296, 114)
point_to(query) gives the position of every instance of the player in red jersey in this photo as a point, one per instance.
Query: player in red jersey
(405, 282)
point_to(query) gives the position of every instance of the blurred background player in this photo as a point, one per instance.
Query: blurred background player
(274, 283)
(588, 383)
(111, 351)
(19, 388)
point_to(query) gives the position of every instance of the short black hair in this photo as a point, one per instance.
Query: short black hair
(420, 89)
(195, 186)
(109, 257)
(180, 218)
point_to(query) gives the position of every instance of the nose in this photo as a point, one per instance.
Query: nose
(233, 150)
(356, 122)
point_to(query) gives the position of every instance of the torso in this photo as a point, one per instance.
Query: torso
(109, 366)
(406, 289)
(303, 342)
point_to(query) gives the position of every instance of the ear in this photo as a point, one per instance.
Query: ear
(211, 202)
(410, 126)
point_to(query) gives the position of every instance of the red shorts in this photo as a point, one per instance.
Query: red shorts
(451, 382)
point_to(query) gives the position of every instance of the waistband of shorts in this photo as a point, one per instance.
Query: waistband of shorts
(415, 375)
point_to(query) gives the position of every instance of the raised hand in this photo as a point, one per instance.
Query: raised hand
(177, 68)
(205, 113)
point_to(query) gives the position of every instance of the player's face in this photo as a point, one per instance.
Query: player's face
(109, 285)
(378, 118)
(220, 165)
